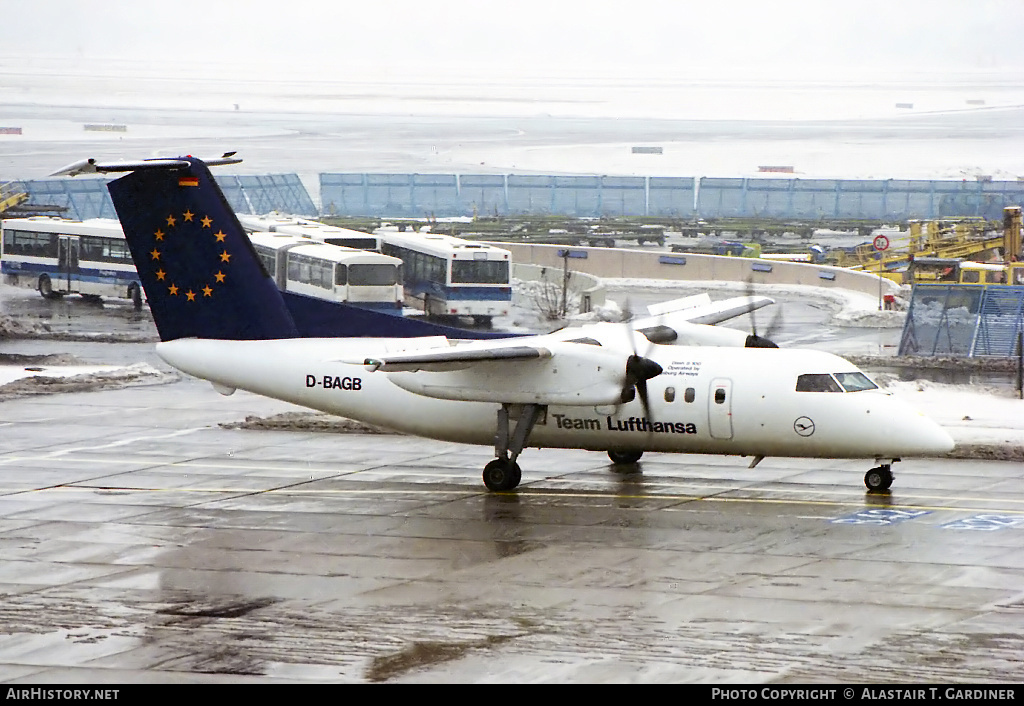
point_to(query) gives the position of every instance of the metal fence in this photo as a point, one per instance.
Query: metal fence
(860, 199)
(81, 199)
(960, 320)
(446, 195)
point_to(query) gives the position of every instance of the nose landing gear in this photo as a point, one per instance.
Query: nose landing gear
(879, 479)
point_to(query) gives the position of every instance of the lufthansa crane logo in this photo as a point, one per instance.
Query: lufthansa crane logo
(804, 426)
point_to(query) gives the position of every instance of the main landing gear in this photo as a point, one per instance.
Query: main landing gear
(879, 479)
(503, 473)
(622, 457)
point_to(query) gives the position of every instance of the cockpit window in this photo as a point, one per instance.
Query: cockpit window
(855, 382)
(817, 382)
(588, 341)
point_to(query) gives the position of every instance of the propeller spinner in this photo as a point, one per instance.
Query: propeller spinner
(638, 371)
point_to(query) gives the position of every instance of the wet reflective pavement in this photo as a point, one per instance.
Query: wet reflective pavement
(144, 542)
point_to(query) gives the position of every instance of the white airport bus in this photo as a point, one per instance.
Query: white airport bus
(303, 266)
(450, 277)
(59, 257)
(293, 225)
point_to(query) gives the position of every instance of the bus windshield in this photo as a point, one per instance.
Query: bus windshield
(372, 275)
(480, 272)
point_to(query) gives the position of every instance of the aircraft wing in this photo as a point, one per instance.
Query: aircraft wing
(555, 373)
(701, 310)
(453, 358)
(693, 323)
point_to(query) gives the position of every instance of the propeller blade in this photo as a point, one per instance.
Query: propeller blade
(638, 371)
(645, 402)
(754, 340)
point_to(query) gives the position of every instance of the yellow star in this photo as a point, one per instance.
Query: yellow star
(220, 276)
(159, 234)
(188, 215)
(220, 235)
(155, 254)
(171, 220)
(206, 221)
(160, 274)
(225, 256)
(173, 289)
(191, 295)
(207, 292)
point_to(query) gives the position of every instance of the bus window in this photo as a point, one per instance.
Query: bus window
(18, 242)
(480, 272)
(970, 276)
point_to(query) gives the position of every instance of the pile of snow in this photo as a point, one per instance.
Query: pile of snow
(20, 381)
(20, 328)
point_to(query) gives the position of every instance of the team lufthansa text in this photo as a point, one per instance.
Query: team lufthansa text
(930, 693)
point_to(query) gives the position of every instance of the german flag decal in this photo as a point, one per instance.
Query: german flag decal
(188, 181)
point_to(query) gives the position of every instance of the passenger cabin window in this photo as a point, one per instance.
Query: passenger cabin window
(855, 382)
(817, 382)
(670, 394)
(720, 396)
(690, 395)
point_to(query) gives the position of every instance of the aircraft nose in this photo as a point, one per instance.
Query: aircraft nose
(931, 438)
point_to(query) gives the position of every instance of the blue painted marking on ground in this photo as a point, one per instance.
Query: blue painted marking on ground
(986, 522)
(882, 517)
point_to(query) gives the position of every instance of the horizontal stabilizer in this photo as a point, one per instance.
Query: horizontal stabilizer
(91, 166)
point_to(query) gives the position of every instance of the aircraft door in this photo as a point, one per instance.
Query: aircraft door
(720, 408)
(67, 260)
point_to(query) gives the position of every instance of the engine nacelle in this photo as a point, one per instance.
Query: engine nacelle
(588, 377)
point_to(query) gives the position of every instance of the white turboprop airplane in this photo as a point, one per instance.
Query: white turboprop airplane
(696, 388)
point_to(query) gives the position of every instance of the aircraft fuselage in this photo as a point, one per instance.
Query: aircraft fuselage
(707, 400)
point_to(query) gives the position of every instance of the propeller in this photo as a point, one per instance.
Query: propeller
(639, 369)
(754, 340)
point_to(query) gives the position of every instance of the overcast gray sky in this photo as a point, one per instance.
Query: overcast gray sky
(673, 38)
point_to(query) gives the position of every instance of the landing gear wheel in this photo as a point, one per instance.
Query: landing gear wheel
(878, 480)
(626, 456)
(501, 475)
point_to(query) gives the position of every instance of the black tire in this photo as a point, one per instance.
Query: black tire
(621, 456)
(135, 294)
(878, 480)
(45, 288)
(501, 475)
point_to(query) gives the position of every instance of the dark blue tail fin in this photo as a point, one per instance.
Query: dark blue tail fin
(201, 275)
